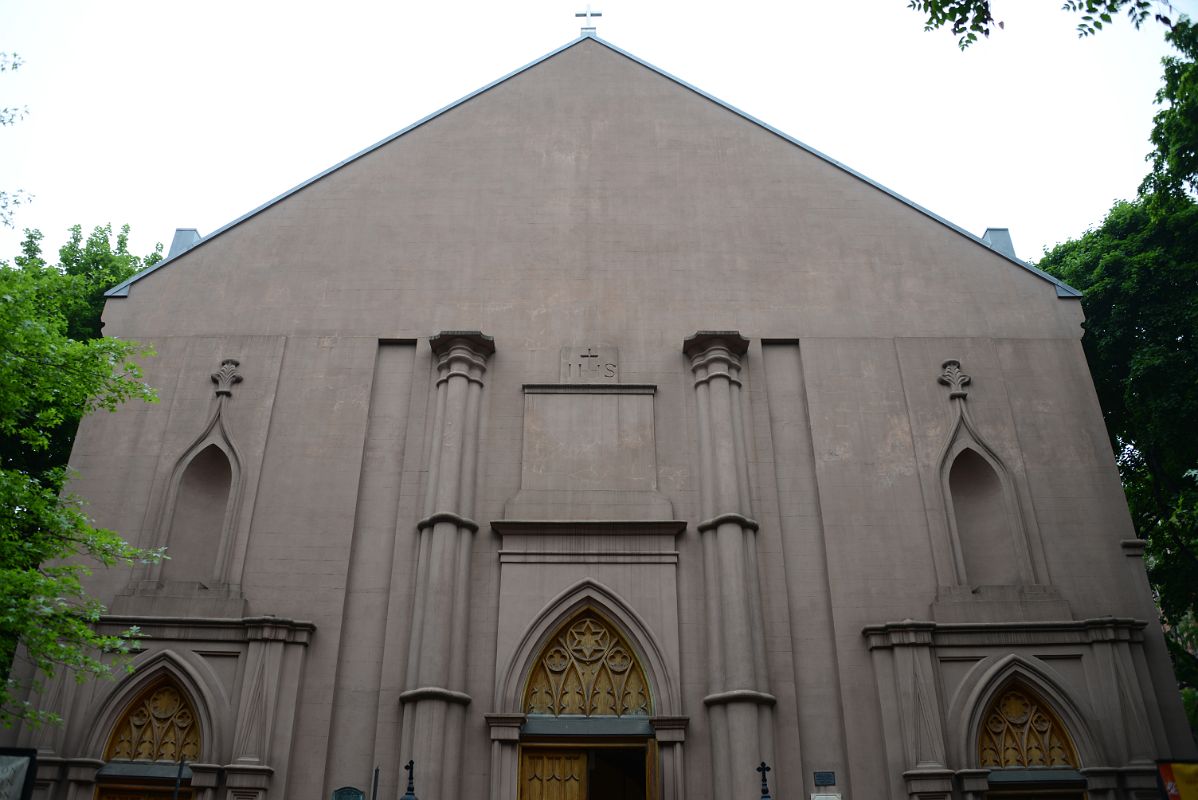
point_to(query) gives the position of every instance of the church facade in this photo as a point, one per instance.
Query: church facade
(607, 445)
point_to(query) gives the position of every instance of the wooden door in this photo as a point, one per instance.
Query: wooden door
(553, 774)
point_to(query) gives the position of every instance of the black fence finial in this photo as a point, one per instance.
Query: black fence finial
(410, 794)
(765, 787)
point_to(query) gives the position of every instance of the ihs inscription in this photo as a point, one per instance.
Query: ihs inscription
(590, 364)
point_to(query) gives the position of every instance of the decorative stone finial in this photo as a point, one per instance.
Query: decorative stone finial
(955, 379)
(226, 376)
(765, 787)
(410, 794)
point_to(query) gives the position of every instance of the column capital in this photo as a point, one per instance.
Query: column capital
(701, 341)
(478, 343)
(706, 348)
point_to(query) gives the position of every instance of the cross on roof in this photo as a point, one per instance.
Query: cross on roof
(589, 27)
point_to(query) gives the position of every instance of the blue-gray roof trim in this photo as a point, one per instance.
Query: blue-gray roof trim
(1062, 288)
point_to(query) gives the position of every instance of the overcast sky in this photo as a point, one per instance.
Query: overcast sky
(172, 113)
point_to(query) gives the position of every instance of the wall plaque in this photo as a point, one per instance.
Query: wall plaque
(589, 364)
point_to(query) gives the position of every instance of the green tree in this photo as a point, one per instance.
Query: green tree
(970, 18)
(1175, 127)
(1139, 273)
(54, 368)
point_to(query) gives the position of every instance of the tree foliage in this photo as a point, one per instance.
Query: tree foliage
(1138, 271)
(969, 19)
(54, 368)
(1175, 126)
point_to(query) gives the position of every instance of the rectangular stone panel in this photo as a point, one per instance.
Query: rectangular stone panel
(589, 453)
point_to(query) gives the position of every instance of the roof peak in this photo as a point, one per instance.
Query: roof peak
(1062, 289)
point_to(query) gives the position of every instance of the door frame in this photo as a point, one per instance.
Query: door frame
(647, 745)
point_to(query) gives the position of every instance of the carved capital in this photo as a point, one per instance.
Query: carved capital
(669, 729)
(954, 379)
(226, 377)
(462, 354)
(478, 343)
(731, 343)
(505, 727)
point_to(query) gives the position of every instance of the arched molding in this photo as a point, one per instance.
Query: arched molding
(199, 683)
(589, 593)
(215, 434)
(964, 436)
(991, 676)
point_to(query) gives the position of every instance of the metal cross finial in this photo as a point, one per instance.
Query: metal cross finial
(589, 27)
(410, 794)
(765, 787)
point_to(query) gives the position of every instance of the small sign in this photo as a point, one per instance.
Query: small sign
(590, 364)
(18, 766)
(1179, 779)
(349, 793)
(826, 778)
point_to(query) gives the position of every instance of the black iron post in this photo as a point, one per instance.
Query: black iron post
(765, 787)
(410, 794)
(178, 779)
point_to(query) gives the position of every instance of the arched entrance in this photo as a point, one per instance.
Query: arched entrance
(1027, 748)
(588, 705)
(148, 748)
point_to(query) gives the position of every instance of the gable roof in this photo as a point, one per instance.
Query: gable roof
(1062, 289)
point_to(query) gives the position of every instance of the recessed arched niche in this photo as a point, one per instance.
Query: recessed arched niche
(983, 521)
(198, 520)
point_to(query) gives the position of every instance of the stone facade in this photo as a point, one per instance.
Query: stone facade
(570, 418)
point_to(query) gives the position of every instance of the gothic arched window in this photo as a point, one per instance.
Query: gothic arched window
(1020, 730)
(587, 668)
(159, 725)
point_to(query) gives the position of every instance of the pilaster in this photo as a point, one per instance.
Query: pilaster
(739, 705)
(435, 699)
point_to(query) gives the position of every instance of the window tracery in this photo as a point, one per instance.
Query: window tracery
(587, 668)
(1020, 730)
(159, 725)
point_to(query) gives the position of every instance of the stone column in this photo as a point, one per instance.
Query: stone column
(435, 701)
(739, 705)
(505, 759)
(670, 733)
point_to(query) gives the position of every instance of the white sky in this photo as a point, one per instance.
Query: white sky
(172, 113)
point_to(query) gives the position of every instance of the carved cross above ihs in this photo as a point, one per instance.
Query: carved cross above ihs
(590, 364)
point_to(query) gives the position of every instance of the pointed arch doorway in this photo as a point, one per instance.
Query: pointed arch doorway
(157, 734)
(587, 704)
